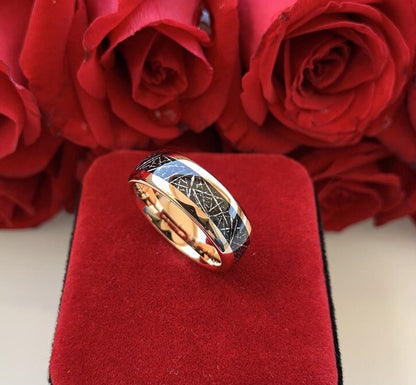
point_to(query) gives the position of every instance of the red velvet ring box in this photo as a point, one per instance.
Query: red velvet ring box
(134, 310)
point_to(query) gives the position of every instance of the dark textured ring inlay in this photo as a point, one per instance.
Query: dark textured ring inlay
(207, 194)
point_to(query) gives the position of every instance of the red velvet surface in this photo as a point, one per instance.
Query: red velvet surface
(135, 311)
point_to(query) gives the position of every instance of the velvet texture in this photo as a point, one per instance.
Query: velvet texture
(135, 311)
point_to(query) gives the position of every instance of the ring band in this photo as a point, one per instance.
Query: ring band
(192, 209)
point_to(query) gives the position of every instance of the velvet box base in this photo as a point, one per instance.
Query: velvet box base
(136, 311)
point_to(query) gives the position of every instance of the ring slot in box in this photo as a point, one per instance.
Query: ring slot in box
(134, 310)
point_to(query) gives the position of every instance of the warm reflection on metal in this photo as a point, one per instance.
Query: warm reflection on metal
(175, 225)
(192, 209)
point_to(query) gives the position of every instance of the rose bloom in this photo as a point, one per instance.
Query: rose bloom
(407, 175)
(31, 200)
(124, 74)
(355, 183)
(330, 72)
(411, 104)
(36, 171)
(19, 114)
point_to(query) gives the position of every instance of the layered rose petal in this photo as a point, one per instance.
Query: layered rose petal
(46, 38)
(29, 201)
(29, 160)
(19, 113)
(14, 18)
(133, 114)
(240, 133)
(345, 203)
(326, 70)
(36, 168)
(397, 134)
(129, 73)
(406, 206)
(19, 116)
(12, 115)
(411, 104)
(167, 65)
(161, 70)
(354, 183)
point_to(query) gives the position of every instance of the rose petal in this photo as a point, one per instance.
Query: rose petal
(408, 183)
(128, 138)
(344, 203)
(411, 104)
(256, 17)
(199, 64)
(11, 117)
(91, 76)
(222, 54)
(373, 73)
(399, 136)
(29, 160)
(14, 17)
(106, 15)
(147, 14)
(252, 98)
(30, 201)
(326, 65)
(326, 163)
(46, 38)
(91, 126)
(241, 133)
(17, 194)
(132, 114)
(155, 87)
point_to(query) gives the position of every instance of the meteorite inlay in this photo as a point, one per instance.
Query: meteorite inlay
(203, 194)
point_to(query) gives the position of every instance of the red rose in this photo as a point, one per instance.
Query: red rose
(407, 176)
(114, 74)
(400, 137)
(411, 104)
(29, 201)
(352, 184)
(36, 170)
(326, 69)
(19, 114)
(25, 148)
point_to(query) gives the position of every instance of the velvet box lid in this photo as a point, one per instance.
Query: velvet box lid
(135, 311)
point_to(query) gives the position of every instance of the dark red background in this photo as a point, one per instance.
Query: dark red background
(135, 311)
